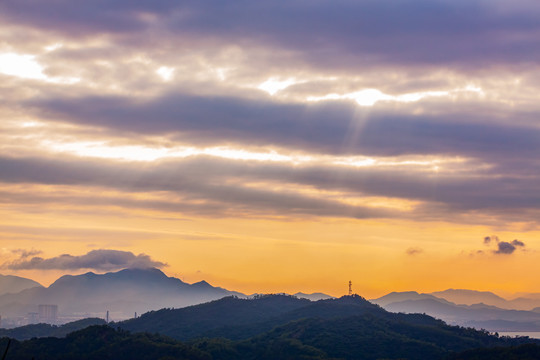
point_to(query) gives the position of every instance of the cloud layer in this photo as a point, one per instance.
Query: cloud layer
(409, 32)
(101, 260)
(452, 133)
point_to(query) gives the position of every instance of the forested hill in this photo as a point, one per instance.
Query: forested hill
(235, 318)
(104, 343)
(46, 330)
(364, 337)
(275, 327)
(341, 327)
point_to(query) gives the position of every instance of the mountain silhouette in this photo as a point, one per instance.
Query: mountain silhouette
(121, 293)
(10, 284)
(236, 318)
(394, 297)
(230, 328)
(470, 297)
(313, 296)
(46, 330)
(480, 316)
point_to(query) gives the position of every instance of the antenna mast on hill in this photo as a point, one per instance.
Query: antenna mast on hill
(350, 287)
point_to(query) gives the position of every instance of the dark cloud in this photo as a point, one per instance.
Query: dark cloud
(78, 17)
(414, 251)
(507, 248)
(209, 185)
(96, 259)
(500, 144)
(331, 127)
(195, 188)
(468, 32)
(502, 247)
(23, 253)
(489, 239)
(517, 243)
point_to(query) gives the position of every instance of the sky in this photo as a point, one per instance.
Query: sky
(273, 146)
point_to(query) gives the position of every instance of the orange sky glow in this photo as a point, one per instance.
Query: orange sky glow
(263, 162)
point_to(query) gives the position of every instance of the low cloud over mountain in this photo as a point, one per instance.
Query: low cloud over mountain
(102, 259)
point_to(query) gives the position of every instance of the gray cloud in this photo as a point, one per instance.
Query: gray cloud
(507, 248)
(489, 239)
(414, 251)
(332, 127)
(214, 186)
(516, 243)
(466, 32)
(500, 143)
(23, 253)
(502, 247)
(96, 259)
(198, 186)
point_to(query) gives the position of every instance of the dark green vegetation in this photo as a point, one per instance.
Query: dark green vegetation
(46, 330)
(102, 342)
(229, 317)
(270, 327)
(521, 352)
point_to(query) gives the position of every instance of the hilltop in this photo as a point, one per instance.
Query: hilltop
(272, 327)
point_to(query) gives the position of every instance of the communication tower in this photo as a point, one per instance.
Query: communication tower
(350, 288)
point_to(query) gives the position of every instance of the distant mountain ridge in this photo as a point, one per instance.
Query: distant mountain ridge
(121, 293)
(470, 297)
(236, 318)
(313, 296)
(10, 284)
(135, 291)
(266, 328)
(394, 297)
(477, 314)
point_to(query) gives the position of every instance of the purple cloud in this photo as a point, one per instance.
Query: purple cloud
(102, 259)
(414, 251)
(464, 32)
(507, 248)
(321, 127)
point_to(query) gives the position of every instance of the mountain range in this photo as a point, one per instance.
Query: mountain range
(476, 309)
(136, 291)
(526, 301)
(275, 327)
(15, 284)
(122, 293)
